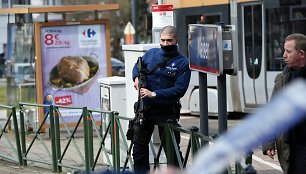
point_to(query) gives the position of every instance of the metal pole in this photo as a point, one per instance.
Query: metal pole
(134, 19)
(53, 143)
(234, 22)
(22, 133)
(169, 145)
(57, 137)
(222, 106)
(90, 138)
(233, 12)
(87, 151)
(18, 146)
(115, 144)
(203, 104)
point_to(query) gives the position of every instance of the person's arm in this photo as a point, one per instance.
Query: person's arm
(135, 73)
(269, 147)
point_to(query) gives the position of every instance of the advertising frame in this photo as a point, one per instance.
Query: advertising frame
(84, 41)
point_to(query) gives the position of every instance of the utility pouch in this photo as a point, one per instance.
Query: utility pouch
(177, 108)
(142, 133)
(136, 106)
(130, 131)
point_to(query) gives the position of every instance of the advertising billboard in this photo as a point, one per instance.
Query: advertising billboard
(71, 56)
(205, 48)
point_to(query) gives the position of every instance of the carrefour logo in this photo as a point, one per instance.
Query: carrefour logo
(89, 36)
(89, 33)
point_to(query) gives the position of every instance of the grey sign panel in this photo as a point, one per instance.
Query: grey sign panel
(205, 48)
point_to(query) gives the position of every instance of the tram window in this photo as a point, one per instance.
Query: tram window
(278, 27)
(298, 13)
(253, 39)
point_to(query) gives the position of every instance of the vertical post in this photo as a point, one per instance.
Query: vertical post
(233, 12)
(169, 145)
(52, 134)
(86, 139)
(17, 135)
(234, 22)
(203, 105)
(57, 138)
(10, 90)
(90, 137)
(222, 105)
(115, 143)
(194, 147)
(22, 130)
(96, 15)
(134, 18)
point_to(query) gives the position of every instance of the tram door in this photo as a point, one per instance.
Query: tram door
(253, 71)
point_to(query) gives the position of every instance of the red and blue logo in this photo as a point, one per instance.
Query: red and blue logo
(89, 33)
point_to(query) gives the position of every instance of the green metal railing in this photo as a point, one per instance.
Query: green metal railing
(27, 142)
(14, 144)
(112, 144)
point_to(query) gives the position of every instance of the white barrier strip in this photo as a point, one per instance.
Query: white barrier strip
(283, 112)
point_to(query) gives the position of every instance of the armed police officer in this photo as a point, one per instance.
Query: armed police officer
(166, 75)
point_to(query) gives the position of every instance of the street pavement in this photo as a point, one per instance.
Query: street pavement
(263, 164)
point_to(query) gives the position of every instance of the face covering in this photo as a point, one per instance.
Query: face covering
(169, 48)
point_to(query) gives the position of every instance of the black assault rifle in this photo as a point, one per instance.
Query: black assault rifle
(139, 109)
(139, 105)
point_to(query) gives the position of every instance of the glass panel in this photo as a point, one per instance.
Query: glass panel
(298, 19)
(253, 39)
(248, 39)
(22, 63)
(298, 13)
(257, 19)
(278, 27)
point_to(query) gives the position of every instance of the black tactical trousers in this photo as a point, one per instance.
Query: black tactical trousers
(141, 139)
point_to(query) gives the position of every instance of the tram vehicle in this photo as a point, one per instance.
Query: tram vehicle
(262, 27)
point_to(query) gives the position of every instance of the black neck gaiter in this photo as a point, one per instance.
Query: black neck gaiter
(170, 50)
